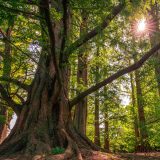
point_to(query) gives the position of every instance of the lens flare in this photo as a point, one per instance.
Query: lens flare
(143, 27)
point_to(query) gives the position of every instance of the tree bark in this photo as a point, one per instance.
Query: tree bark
(96, 120)
(106, 134)
(45, 120)
(106, 123)
(96, 102)
(133, 109)
(144, 144)
(80, 115)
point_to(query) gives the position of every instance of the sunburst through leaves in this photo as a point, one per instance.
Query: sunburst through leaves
(143, 27)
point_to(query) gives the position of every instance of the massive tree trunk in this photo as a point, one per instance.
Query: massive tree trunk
(80, 117)
(45, 119)
(133, 109)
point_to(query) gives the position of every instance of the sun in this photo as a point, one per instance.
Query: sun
(141, 25)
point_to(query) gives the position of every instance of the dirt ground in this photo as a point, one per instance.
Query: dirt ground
(96, 156)
(125, 156)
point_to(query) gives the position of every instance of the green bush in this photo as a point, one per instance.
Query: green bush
(57, 150)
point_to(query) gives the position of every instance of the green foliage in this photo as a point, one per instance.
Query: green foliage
(57, 150)
(106, 53)
(2, 119)
(56, 15)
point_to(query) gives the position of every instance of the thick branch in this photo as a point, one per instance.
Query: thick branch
(113, 77)
(16, 82)
(45, 9)
(65, 29)
(83, 39)
(48, 22)
(20, 98)
(16, 107)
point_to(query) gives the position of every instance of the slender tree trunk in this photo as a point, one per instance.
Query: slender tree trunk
(6, 73)
(106, 134)
(106, 124)
(136, 129)
(144, 144)
(80, 115)
(154, 39)
(96, 102)
(96, 120)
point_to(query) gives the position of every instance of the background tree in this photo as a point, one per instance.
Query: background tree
(80, 115)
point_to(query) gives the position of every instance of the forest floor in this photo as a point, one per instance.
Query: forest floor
(98, 156)
(125, 156)
(110, 156)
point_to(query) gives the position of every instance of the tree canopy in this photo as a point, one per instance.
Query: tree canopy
(79, 75)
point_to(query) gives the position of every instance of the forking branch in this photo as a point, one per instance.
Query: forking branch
(95, 31)
(116, 75)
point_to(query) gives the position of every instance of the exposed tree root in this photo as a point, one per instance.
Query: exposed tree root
(28, 144)
(72, 148)
(14, 145)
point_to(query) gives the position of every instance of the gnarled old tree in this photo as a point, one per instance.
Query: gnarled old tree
(44, 120)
